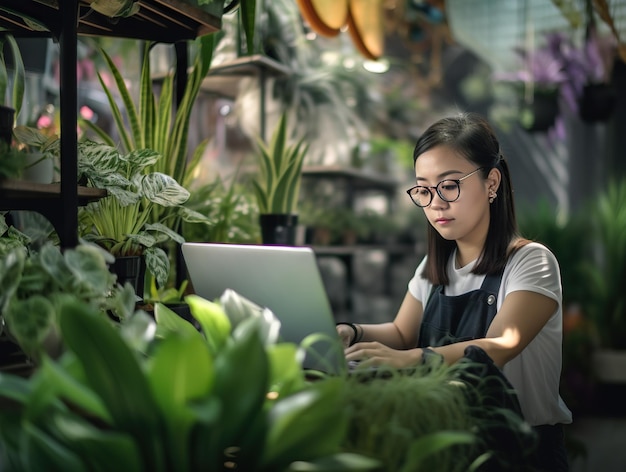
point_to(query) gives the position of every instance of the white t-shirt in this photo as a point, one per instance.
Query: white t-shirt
(536, 371)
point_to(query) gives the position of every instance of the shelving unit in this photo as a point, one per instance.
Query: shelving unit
(224, 79)
(168, 21)
(353, 183)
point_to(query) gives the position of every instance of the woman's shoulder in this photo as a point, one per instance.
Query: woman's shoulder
(524, 248)
(533, 255)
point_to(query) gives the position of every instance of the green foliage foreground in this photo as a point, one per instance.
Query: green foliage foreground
(146, 396)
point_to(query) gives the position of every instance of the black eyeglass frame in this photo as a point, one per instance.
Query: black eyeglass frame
(436, 188)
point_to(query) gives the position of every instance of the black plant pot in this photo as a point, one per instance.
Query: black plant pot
(131, 269)
(278, 229)
(541, 114)
(7, 120)
(597, 102)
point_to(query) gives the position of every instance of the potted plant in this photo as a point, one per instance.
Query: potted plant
(35, 280)
(277, 185)
(539, 81)
(238, 398)
(124, 222)
(605, 301)
(562, 70)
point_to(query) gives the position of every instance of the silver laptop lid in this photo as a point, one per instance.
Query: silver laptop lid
(285, 279)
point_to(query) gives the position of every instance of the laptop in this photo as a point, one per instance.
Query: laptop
(284, 279)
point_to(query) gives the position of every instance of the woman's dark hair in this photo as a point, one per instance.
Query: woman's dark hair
(472, 137)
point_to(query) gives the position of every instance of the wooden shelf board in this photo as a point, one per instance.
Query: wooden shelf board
(159, 20)
(11, 189)
(223, 79)
(358, 178)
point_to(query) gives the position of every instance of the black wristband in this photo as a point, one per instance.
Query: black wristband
(353, 326)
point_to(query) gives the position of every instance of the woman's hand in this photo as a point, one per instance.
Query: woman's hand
(375, 354)
(347, 333)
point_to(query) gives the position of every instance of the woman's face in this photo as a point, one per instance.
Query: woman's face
(467, 218)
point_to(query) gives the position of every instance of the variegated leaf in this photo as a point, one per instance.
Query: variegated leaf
(160, 228)
(158, 264)
(192, 216)
(141, 158)
(143, 238)
(124, 197)
(100, 157)
(163, 190)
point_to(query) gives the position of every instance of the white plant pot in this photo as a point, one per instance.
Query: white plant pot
(609, 366)
(42, 172)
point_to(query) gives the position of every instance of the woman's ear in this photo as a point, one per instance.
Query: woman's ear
(493, 179)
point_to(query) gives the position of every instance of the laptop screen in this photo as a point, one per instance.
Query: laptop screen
(284, 279)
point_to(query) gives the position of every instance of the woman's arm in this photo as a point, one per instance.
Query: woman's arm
(521, 317)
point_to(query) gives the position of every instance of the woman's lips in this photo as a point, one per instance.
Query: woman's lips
(443, 221)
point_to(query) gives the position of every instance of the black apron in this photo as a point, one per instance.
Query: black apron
(448, 320)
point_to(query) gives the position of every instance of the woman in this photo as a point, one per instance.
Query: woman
(480, 283)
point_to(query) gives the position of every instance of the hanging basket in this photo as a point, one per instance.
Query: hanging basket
(540, 114)
(597, 102)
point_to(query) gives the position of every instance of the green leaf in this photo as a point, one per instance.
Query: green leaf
(306, 425)
(180, 372)
(430, 444)
(157, 263)
(19, 75)
(247, 14)
(103, 450)
(53, 377)
(162, 190)
(30, 321)
(168, 320)
(114, 373)
(41, 451)
(11, 269)
(337, 462)
(242, 373)
(214, 322)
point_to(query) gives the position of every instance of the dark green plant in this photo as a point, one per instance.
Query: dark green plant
(277, 187)
(231, 208)
(562, 235)
(19, 74)
(34, 282)
(605, 274)
(12, 161)
(232, 397)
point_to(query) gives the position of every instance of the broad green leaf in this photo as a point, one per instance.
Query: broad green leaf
(101, 449)
(89, 268)
(19, 75)
(286, 374)
(344, 461)
(214, 322)
(168, 320)
(53, 377)
(114, 373)
(30, 321)
(157, 263)
(41, 451)
(162, 189)
(306, 425)
(161, 228)
(14, 388)
(242, 375)
(180, 371)
(430, 444)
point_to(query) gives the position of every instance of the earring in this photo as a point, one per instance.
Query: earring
(492, 196)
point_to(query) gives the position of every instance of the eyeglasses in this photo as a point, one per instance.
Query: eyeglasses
(449, 190)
